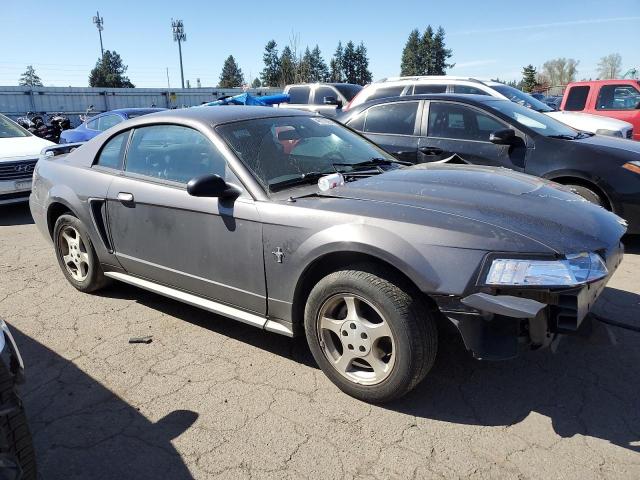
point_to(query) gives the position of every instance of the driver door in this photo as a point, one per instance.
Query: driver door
(205, 246)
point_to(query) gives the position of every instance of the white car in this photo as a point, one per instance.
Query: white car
(19, 151)
(399, 86)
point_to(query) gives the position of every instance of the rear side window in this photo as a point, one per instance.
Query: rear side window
(108, 121)
(618, 97)
(357, 123)
(385, 92)
(93, 124)
(392, 118)
(420, 89)
(577, 98)
(299, 95)
(467, 90)
(111, 154)
(321, 93)
(174, 153)
(451, 120)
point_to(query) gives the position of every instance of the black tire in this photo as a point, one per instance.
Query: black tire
(587, 194)
(16, 443)
(95, 278)
(410, 319)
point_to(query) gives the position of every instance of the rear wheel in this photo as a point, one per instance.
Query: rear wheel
(76, 256)
(587, 194)
(370, 334)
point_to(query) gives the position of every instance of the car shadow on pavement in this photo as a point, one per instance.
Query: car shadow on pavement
(631, 244)
(15, 214)
(82, 430)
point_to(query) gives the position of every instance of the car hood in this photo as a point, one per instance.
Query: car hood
(22, 147)
(519, 204)
(588, 122)
(628, 149)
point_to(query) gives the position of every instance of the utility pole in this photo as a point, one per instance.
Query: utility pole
(168, 84)
(179, 36)
(99, 22)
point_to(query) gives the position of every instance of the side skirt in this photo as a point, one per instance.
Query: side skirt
(209, 305)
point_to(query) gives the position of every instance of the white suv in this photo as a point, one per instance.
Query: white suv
(19, 152)
(399, 86)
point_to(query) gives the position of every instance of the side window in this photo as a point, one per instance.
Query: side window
(577, 98)
(299, 95)
(385, 92)
(392, 118)
(429, 88)
(111, 154)
(618, 97)
(450, 120)
(322, 92)
(466, 89)
(171, 152)
(108, 121)
(93, 124)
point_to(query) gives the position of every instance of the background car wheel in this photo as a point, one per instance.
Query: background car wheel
(16, 444)
(76, 255)
(587, 194)
(370, 334)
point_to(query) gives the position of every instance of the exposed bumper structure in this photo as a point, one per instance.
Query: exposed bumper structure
(499, 323)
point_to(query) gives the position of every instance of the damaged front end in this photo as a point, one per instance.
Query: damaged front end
(498, 321)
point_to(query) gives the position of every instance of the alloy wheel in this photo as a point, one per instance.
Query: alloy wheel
(74, 253)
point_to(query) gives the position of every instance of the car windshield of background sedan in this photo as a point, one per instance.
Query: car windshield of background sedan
(284, 151)
(543, 124)
(9, 129)
(521, 98)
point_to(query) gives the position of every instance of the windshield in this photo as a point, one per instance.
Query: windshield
(284, 151)
(541, 123)
(9, 129)
(348, 90)
(521, 98)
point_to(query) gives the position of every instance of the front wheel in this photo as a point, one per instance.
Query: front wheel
(370, 334)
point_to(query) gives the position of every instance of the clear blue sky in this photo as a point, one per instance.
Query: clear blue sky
(489, 38)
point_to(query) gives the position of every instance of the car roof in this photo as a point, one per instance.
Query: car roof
(218, 114)
(134, 110)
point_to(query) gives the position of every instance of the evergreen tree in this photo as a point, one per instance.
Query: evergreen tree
(29, 78)
(231, 75)
(287, 67)
(529, 81)
(337, 72)
(426, 53)
(256, 83)
(109, 72)
(410, 63)
(271, 73)
(319, 70)
(363, 74)
(349, 63)
(304, 67)
(440, 54)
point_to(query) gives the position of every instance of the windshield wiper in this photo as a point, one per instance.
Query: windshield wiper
(564, 136)
(308, 177)
(372, 162)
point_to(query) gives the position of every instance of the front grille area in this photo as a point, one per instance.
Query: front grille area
(17, 170)
(630, 133)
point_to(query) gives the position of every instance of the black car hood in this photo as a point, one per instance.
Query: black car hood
(629, 149)
(521, 204)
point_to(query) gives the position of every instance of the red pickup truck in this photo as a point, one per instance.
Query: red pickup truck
(611, 98)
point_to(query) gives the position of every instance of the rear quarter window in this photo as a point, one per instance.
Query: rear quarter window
(299, 95)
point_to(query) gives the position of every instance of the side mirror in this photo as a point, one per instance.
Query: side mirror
(332, 101)
(503, 137)
(211, 185)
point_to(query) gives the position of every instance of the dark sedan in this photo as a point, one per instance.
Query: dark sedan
(484, 130)
(99, 123)
(292, 223)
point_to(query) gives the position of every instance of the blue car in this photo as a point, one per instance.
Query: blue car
(99, 123)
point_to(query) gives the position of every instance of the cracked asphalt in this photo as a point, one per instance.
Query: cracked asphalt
(213, 398)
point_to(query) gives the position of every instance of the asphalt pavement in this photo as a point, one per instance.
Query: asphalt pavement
(213, 398)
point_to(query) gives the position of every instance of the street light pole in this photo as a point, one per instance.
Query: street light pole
(179, 36)
(99, 22)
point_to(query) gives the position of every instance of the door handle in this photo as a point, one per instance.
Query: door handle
(124, 197)
(431, 150)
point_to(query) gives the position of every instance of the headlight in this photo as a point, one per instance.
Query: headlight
(632, 166)
(572, 270)
(609, 133)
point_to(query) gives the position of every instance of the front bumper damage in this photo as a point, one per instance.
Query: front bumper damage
(500, 323)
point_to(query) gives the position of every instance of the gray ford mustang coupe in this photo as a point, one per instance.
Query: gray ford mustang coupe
(221, 208)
